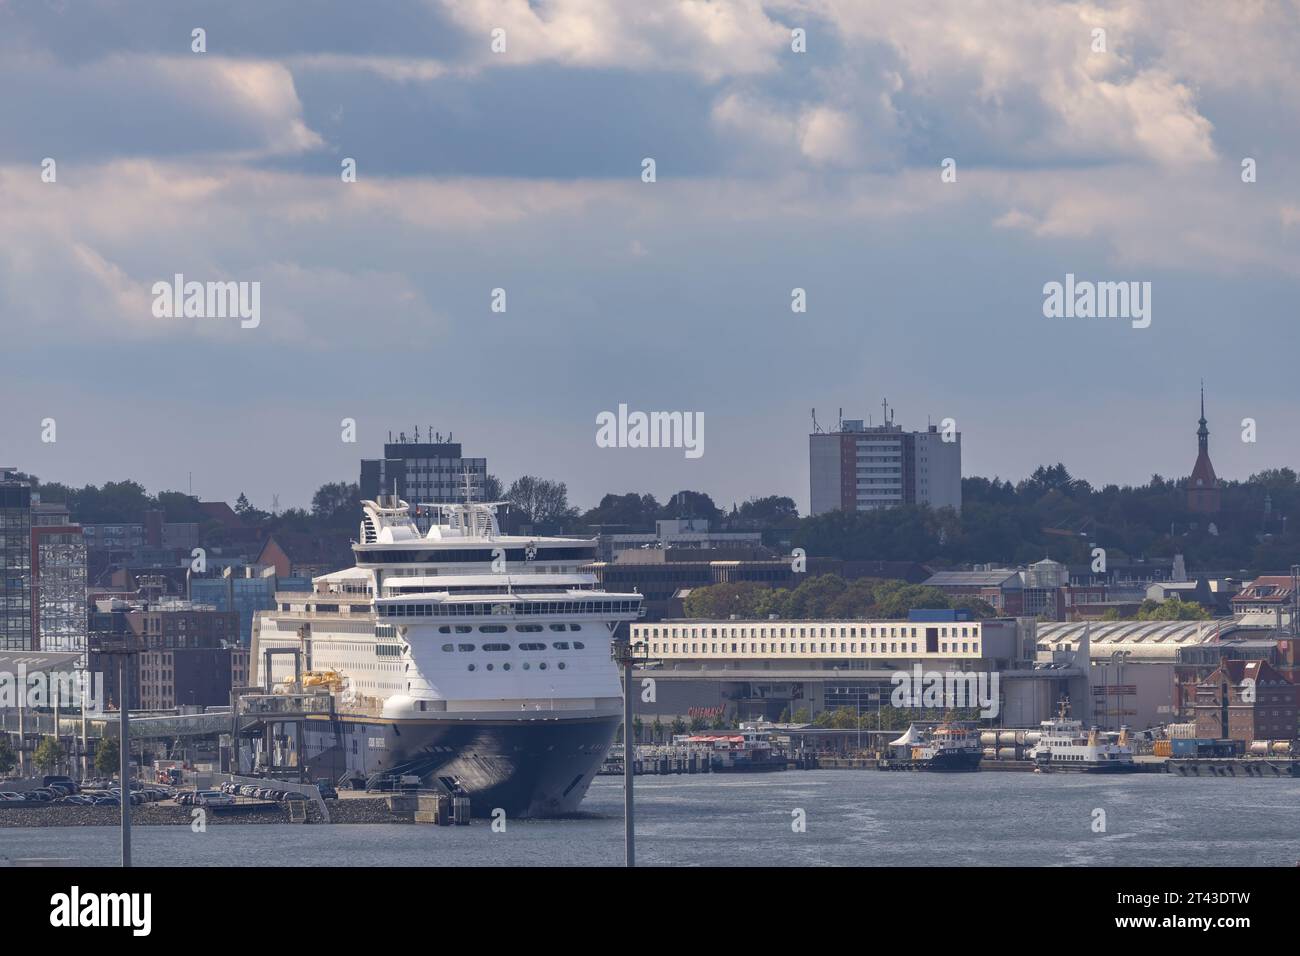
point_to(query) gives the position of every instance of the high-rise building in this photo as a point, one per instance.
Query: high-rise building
(1203, 493)
(422, 471)
(862, 467)
(60, 618)
(15, 562)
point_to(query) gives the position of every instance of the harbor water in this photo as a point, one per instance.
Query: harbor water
(851, 818)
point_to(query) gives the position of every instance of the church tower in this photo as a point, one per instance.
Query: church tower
(1203, 487)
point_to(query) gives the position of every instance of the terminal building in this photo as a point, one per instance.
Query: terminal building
(772, 669)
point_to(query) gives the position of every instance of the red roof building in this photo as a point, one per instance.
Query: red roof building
(1246, 700)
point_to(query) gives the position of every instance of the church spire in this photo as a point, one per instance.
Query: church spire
(1203, 487)
(1203, 432)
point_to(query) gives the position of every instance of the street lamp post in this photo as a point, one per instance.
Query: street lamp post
(124, 757)
(124, 654)
(625, 654)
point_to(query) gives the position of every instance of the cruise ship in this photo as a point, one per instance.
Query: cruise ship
(474, 661)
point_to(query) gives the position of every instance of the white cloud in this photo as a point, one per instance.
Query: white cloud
(710, 39)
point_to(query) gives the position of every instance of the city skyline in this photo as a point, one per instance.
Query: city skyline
(800, 495)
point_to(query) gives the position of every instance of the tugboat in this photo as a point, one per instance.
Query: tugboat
(947, 748)
(1065, 745)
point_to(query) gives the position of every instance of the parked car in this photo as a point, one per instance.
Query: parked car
(213, 798)
(327, 790)
(38, 796)
(9, 796)
(107, 801)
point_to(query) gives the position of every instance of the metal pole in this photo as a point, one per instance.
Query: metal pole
(124, 755)
(629, 756)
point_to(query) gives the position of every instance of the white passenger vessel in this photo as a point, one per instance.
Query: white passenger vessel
(1063, 744)
(477, 661)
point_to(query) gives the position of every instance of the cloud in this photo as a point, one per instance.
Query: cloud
(178, 105)
(710, 39)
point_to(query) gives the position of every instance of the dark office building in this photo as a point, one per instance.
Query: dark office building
(423, 472)
(15, 563)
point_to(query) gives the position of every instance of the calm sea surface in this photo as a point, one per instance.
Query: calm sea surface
(852, 818)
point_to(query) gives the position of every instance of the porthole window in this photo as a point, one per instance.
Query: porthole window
(557, 627)
(505, 667)
(525, 665)
(540, 667)
(445, 629)
(496, 647)
(464, 647)
(561, 645)
(560, 665)
(575, 627)
(446, 647)
(463, 629)
(492, 628)
(579, 646)
(489, 667)
(471, 666)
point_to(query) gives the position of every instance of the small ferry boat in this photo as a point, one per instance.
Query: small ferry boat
(1064, 745)
(746, 750)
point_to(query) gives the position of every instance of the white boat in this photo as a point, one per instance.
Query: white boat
(1064, 744)
(476, 660)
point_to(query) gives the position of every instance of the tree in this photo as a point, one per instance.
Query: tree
(108, 757)
(178, 506)
(631, 511)
(491, 490)
(545, 503)
(691, 504)
(678, 726)
(1174, 609)
(772, 511)
(8, 759)
(48, 754)
(336, 504)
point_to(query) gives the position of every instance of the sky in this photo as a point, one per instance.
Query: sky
(522, 169)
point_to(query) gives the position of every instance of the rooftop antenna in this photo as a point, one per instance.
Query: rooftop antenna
(390, 436)
(417, 434)
(839, 425)
(275, 504)
(817, 429)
